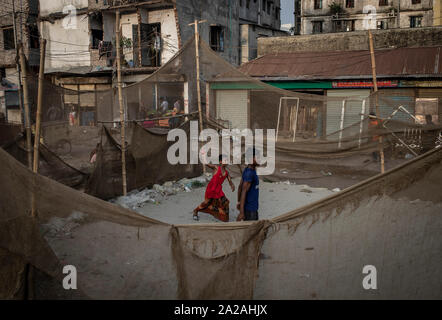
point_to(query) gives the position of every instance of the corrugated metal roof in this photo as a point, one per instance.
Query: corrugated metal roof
(399, 62)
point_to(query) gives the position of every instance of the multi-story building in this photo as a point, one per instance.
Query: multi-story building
(325, 16)
(81, 37)
(18, 24)
(153, 31)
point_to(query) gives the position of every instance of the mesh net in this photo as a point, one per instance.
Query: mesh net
(120, 254)
(308, 126)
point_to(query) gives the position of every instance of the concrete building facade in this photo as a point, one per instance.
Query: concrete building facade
(81, 38)
(326, 16)
(14, 29)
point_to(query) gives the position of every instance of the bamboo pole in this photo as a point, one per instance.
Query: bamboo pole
(20, 91)
(375, 86)
(39, 104)
(198, 79)
(120, 99)
(26, 105)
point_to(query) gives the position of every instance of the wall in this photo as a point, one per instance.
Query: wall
(250, 14)
(358, 40)
(67, 48)
(108, 26)
(127, 21)
(245, 43)
(249, 40)
(216, 13)
(27, 11)
(14, 115)
(437, 13)
(310, 14)
(48, 7)
(169, 32)
(427, 18)
(268, 19)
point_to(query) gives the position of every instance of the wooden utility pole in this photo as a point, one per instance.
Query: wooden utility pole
(375, 86)
(198, 80)
(120, 99)
(39, 104)
(20, 98)
(26, 105)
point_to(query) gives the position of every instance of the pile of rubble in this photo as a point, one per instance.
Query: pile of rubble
(137, 198)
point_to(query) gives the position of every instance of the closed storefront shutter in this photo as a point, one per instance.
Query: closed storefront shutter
(231, 106)
(353, 108)
(393, 98)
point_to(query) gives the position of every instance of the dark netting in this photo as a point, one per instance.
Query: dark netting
(50, 165)
(105, 182)
(146, 162)
(119, 254)
(9, 132)
(344, 129)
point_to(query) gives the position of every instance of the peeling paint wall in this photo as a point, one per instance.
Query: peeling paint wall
(223, 13)
(48, 7)
(169, 32)
(68, 47)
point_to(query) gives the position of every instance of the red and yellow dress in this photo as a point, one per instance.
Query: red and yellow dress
(217, 203)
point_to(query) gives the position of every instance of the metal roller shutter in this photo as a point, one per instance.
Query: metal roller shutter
(231, 105)
(353, 108)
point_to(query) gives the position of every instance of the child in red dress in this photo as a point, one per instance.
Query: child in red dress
(215, 202)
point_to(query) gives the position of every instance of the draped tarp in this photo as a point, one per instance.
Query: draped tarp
(146, 162)
(50, 164)
(149, 149)
(105, 181)
(391, 221)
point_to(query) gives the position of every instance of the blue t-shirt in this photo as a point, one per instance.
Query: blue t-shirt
(252, 198)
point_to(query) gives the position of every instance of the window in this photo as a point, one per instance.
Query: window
(415, 21)
(317, 26)
(349, 25)
(318, 4)
(240, 3)
(34, 37)
(8, 39)
(269, 7)
(349, 3)
(277, 10)
(248, 4)
(381, 24)
(337, 26)
(383, 3)
(343, 25)
(97, 36)
(415, 1)
(217, 38)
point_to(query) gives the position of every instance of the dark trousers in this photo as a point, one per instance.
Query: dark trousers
(251, 216)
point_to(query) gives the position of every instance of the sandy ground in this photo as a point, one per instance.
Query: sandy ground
(275, 199)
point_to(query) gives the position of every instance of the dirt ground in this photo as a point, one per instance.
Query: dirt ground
(275, 199)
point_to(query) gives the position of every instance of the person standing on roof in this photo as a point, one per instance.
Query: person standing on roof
(248, 190)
